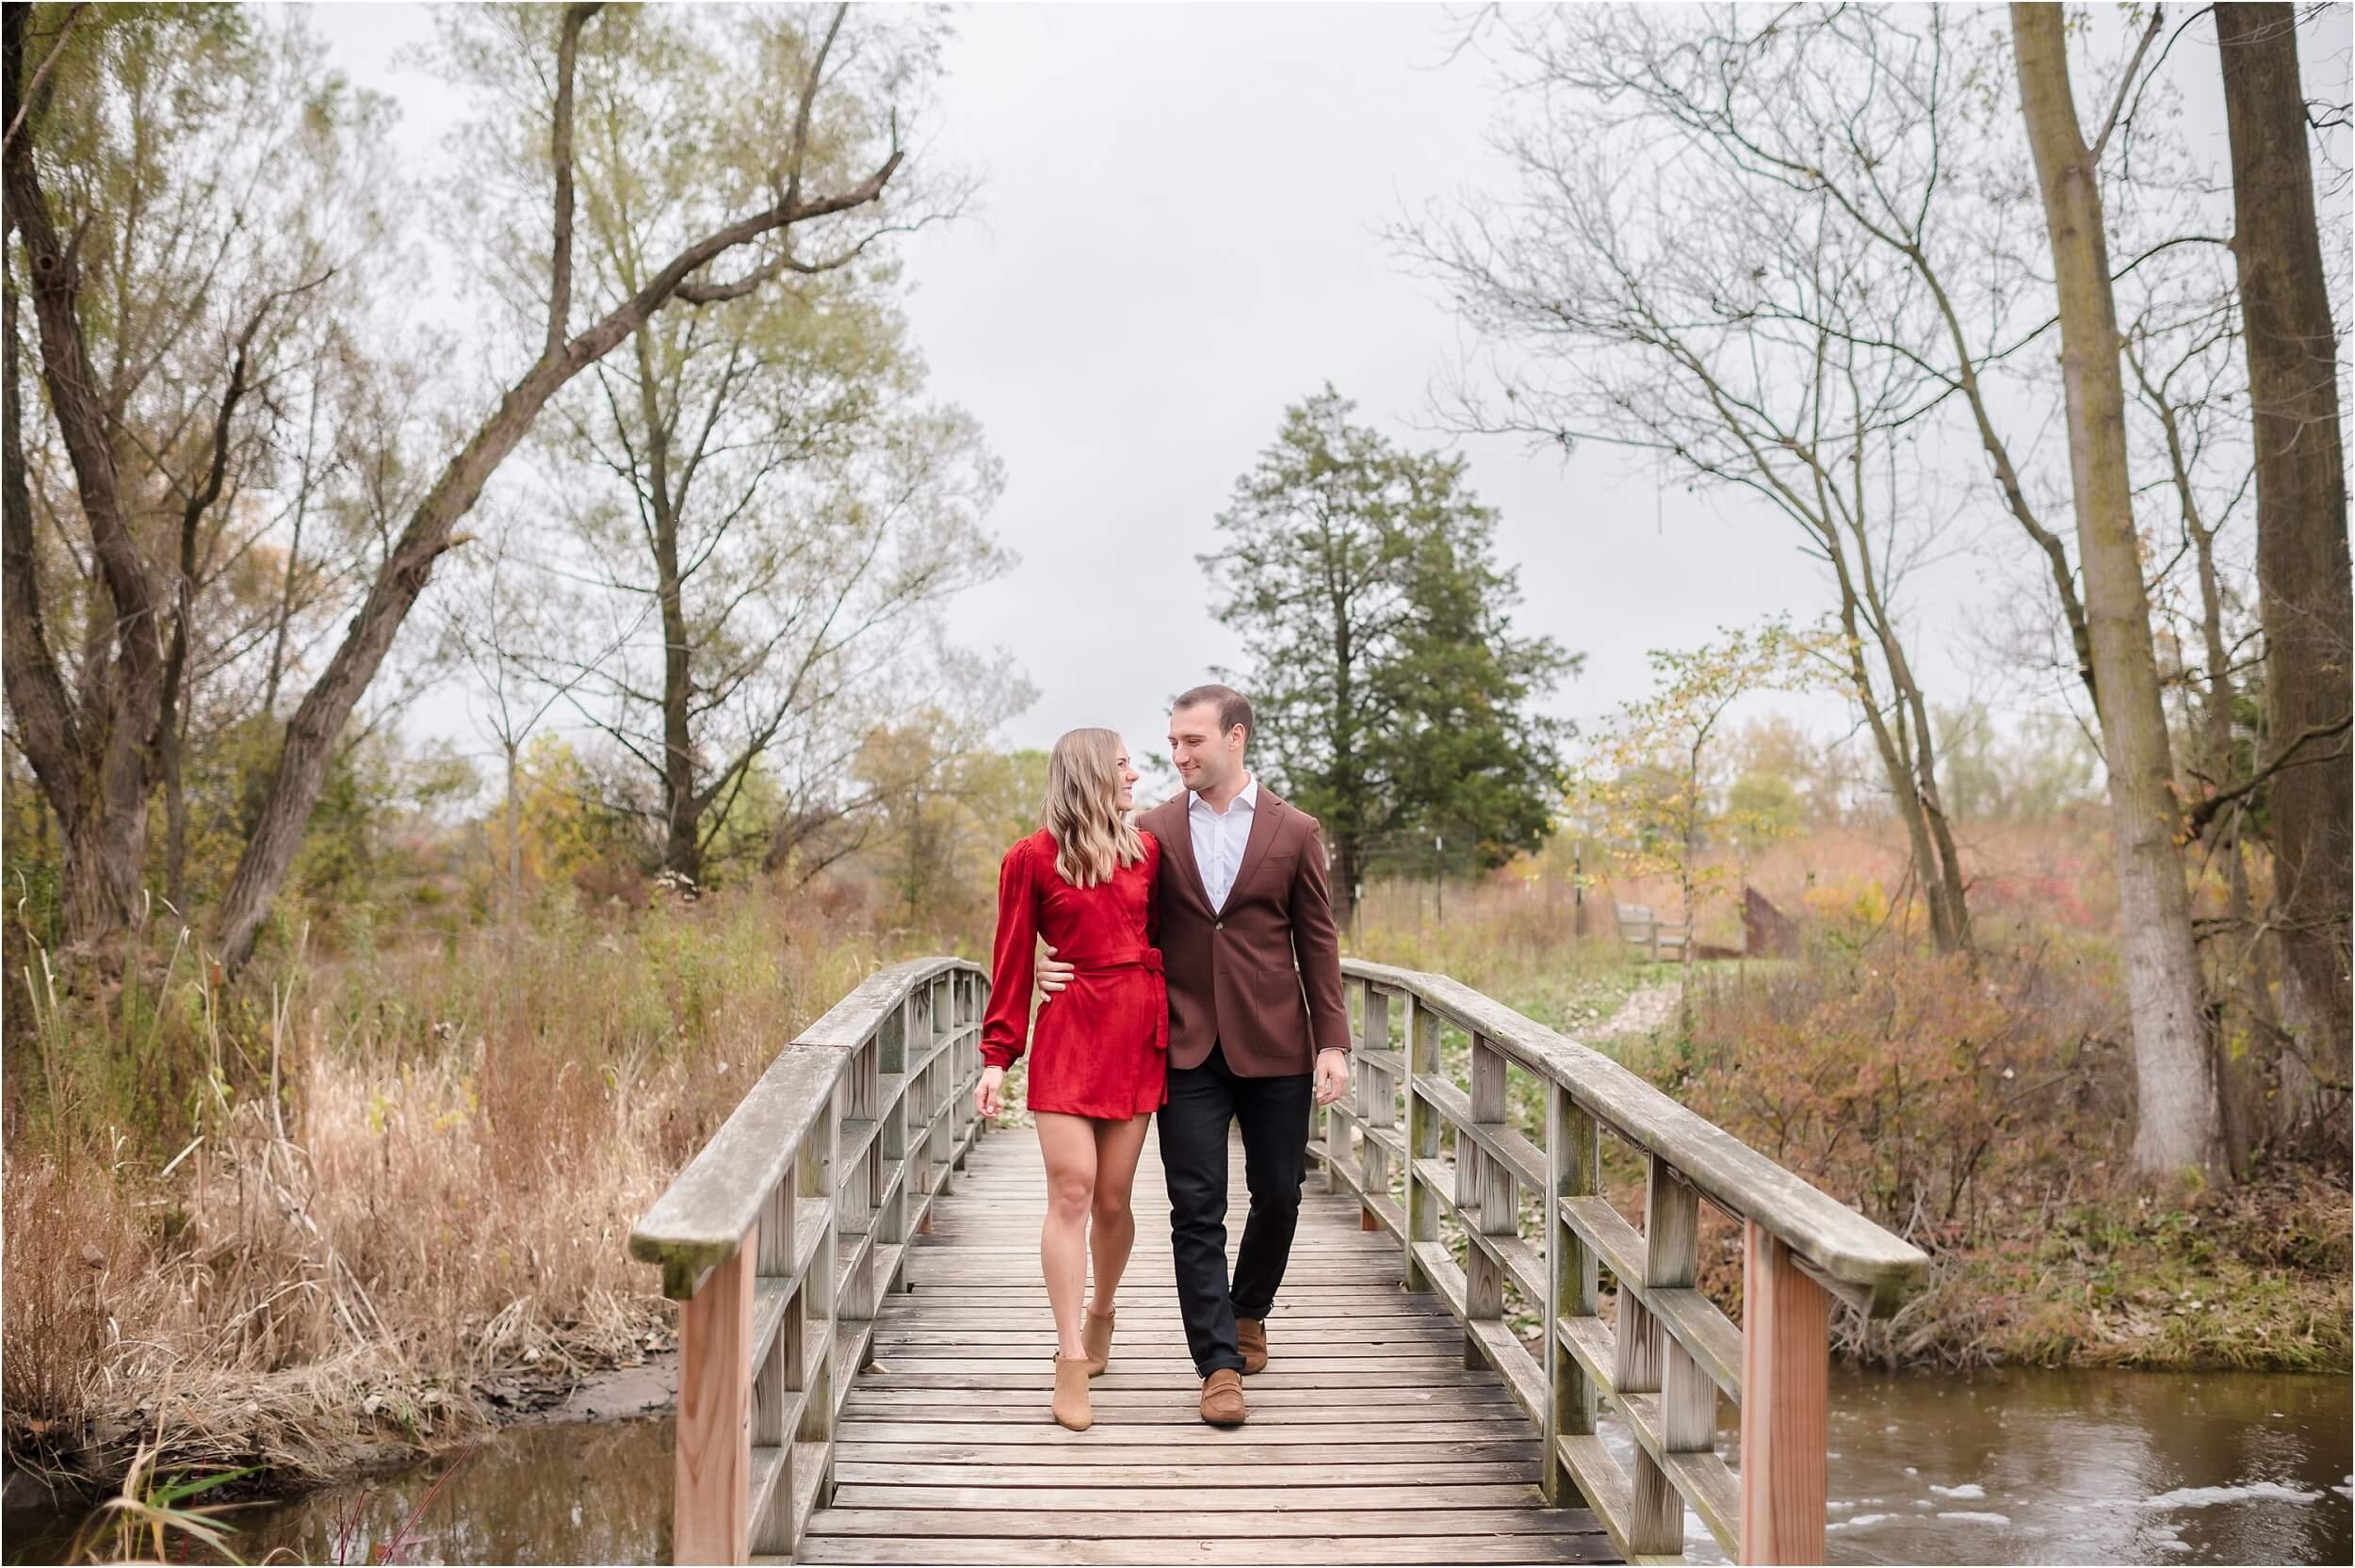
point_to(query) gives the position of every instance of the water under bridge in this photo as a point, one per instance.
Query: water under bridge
(866, 1347)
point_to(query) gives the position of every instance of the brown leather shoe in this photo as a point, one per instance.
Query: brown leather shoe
(1095, 1334)
(1251, 1337)
(1221, 1398)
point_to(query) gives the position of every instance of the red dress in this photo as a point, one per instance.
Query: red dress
(1102, 1047)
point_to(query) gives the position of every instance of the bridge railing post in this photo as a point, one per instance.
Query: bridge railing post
(1786, 1357)
(1573, 1160)
(711, 1457)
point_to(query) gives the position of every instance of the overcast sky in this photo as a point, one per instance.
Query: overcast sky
(1177, 234)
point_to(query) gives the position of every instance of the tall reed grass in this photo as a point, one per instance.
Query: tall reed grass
(419, 1173)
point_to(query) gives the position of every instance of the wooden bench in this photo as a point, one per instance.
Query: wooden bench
(1642, 928)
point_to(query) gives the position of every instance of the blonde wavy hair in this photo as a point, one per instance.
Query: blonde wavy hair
(1092, 838)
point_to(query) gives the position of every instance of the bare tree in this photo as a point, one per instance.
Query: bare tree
(790, 510)
(180, 220)
(1665, 289)
(762, 233)
(2178, 1126)
(2303, 571)
(506, 620)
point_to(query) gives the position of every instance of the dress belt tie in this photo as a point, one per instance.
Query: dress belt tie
(1139, 957)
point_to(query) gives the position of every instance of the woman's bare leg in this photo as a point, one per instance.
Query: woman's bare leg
(1068, 1145)
(1114, 1230)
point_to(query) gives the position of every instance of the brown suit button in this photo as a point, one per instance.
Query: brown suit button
(1218, 925)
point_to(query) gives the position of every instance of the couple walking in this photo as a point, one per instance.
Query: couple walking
(1192, 970)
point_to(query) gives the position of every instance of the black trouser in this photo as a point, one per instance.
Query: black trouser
(1274, 1113)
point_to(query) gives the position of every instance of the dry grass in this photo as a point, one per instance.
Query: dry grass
(440, 1192)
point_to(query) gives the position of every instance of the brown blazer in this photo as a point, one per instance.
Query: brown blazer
(1261, 976)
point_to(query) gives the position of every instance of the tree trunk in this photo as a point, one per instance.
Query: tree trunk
(514, 838)
(2240, 981)
(1940, 860)
(175, 741)
(2176, 1097)
(1346, 855)
(2303, 579)
(1905, 792)
(1942, 875)
(682, 809)
(104, 751)
(311, 734)
(1910, 773)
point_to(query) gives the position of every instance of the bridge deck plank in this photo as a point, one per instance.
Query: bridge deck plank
(1369, 1441)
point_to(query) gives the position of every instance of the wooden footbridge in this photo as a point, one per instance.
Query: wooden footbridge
(866, 1347)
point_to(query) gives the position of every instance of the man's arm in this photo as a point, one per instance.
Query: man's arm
(1317, 948)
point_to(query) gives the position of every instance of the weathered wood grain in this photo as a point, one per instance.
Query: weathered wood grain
(1830, 1235)
(1217, 1552)
(1366, 1415)
(712, 1460)
(1785, 1420)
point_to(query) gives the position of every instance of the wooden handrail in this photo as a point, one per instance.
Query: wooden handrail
(783, 1233)
(1672, 1352)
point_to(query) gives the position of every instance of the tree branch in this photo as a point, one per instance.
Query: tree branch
(2204, 813)
(32, 89)
(561, 151)
(2126, 84)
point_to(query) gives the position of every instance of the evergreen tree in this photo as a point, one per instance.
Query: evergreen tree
(1394, 700)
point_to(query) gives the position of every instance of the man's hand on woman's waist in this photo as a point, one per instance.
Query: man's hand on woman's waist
(1053, 974)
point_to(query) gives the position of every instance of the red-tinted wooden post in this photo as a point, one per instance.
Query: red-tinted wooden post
(1786, 1372)
(712, 1510)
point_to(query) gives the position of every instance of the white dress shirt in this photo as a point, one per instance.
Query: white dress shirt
(1219, 838)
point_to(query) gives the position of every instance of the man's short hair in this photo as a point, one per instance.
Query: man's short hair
(1233, 706)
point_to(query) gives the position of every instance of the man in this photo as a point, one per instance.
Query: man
(1256, 1030)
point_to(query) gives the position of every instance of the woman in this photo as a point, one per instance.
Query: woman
(1100, 1063)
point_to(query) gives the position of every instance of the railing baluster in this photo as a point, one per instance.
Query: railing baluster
(1423, 1137)
(895, 1048)
(961, 1114)
(1377, 1107)
(773, 1384)
(1573, 1158)
(1648, 1355)
(1337, 1124)
(1484, 1187)
(1786, 1355)
(815, 1176)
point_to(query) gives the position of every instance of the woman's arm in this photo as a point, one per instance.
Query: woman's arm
(1005, 1028)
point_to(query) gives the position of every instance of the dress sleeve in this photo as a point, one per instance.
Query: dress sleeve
(1014, 962)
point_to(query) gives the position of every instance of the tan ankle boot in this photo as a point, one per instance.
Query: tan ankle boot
(1221, 1398)
(1251, 1339)
(1096, 1334)
(1071, 1393)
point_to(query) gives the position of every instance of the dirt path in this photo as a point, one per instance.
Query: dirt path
(1645, 1010)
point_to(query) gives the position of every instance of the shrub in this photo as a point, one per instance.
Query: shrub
(1928, 1090)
